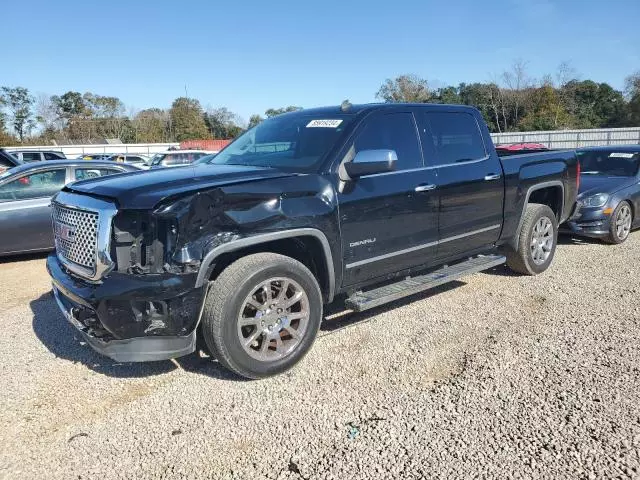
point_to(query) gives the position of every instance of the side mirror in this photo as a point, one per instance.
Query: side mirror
(369, 162)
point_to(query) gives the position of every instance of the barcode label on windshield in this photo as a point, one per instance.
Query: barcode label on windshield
(621, 155)
(324, 123)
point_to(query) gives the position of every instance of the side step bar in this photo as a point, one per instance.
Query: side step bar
(360, 301)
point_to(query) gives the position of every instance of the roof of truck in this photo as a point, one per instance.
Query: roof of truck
(358, 108)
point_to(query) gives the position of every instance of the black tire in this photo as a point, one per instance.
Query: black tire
(226, 300)
(521, 259)
(613, 237)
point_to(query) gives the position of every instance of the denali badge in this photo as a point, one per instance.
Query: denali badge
(66, 232)
(362, 242)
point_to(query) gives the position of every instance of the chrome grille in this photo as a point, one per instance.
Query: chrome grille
(76, 235)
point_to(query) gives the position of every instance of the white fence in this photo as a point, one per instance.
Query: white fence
(73, 151)
(572, 138)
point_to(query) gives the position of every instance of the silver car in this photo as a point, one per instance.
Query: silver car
(25, 195)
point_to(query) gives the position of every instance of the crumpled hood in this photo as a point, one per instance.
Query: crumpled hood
(592, 184)
(145, 189)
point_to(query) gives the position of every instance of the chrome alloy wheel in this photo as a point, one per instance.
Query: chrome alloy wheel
(623, 222)
(273, 319)
(542, 240)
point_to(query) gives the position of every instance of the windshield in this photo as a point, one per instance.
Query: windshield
(609, 162)
(292, 142)
(205, 159)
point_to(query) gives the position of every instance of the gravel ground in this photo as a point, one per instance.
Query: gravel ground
(496, 376)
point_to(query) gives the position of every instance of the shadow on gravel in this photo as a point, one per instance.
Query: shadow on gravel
(502, 271)
(337, 318)
(64, 341)
(567, 239)
(24, 257)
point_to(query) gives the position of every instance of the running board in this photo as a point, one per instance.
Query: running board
(360, 301)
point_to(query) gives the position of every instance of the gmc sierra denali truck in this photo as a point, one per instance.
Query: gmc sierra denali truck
(365, 204)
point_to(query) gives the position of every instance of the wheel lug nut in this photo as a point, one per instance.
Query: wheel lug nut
(279, 310)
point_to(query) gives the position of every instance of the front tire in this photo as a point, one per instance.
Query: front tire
(620, 225)
(537, 241)
(262, 315)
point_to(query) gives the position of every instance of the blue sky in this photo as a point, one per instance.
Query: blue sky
(251, 55)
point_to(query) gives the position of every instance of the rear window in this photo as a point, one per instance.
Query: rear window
(31, 156)
(455, 136)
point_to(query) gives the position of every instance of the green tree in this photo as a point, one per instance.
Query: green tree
(594, 105)
(272, 112)
(632, 90)
(151, 126)
(449, 95)
(70, 104)
(20, 102)
(222, 123)
(187, 120)
(405, 88)
(548, 112)
(254, 120)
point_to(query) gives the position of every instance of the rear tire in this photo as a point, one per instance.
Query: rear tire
(620, 224)
(262, 315)
(536, 243)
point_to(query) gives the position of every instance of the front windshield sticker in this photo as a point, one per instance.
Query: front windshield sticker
(324, 123)
(621, 155)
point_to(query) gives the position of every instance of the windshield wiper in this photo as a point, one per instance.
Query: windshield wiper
(591, 172)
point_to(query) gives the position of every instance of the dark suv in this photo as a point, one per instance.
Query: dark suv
(365, 204)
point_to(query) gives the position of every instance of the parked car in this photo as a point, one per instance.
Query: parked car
(140, 161)
(372, 202)
(8, 161)
(37, 155)
(25, 196)
(609, 193)
(95, 156)
(177, 158)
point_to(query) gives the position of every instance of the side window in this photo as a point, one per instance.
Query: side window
(86, 173)
(393, 131)
(31, 156)
(36, 185)
(455, 137)
(52, 156)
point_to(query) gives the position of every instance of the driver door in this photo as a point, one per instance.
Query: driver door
(389, 221)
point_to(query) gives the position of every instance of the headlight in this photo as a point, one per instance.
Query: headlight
(597, 200)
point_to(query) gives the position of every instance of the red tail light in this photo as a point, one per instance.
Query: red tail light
(578, 175)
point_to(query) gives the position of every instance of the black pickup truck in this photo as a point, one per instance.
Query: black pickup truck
(365, 204)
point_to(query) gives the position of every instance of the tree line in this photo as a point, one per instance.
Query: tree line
(515, 102)
(512, 101)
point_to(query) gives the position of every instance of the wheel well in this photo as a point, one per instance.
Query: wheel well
(550, 196)
(305, 249)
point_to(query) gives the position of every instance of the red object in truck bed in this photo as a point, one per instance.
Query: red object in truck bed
(212, 145)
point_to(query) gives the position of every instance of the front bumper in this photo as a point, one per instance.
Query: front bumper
(131, 318)
(588, 222)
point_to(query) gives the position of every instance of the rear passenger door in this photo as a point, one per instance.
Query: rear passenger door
(388, 221)
(470, 181)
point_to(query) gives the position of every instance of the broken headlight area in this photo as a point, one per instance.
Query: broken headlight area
(141, 241)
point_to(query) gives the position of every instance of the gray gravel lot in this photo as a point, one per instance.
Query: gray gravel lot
(496, 376)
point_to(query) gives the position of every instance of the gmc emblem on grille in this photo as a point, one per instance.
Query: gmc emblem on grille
(67, 232)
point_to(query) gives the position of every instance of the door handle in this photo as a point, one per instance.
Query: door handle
(425, 188)
(492, 177)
